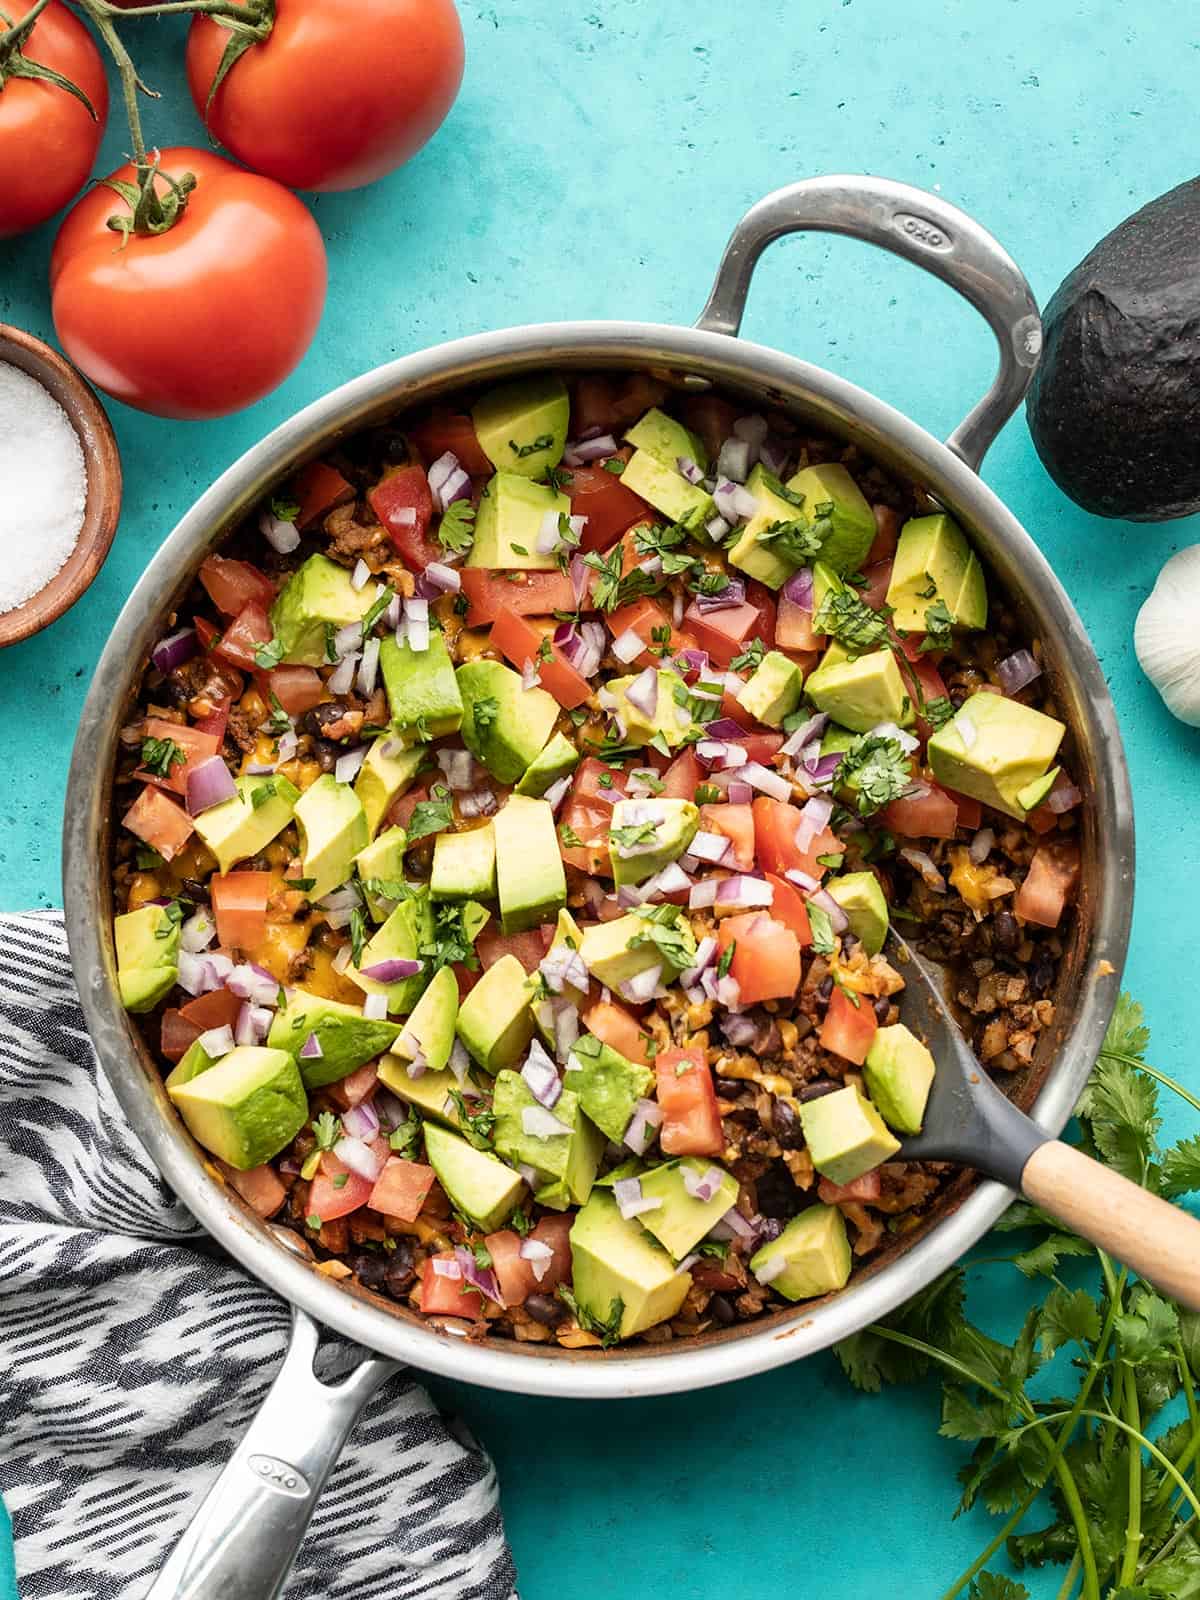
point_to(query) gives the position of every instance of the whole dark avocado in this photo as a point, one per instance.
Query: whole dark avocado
(1114, 407)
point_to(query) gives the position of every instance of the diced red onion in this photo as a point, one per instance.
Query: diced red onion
(347, 639)
(216, 1042)
(444, 578)
(368, 672)
(562, 966)
(288, 744)
(702, 1185)
(805, 734)
(375, 1007)
(735, 503)
(752, 427)
(530, 676)
(566, 1029)
(733, 460)
(642, 986)
(924, 865)
(583, 646)
(361, 1121)
(458, 768)
(745, 891)
(539, 1123)
(627, 646)
(258, 769)
(1017, 671)
(481, 803)
(981, 845)
(719, 755)
(630, 894)
(209, 783)
(740, 1031)
(647, 1118)
(311, 1050)
(343, 898)
(341, 679)
(281, 536)
(446, 1269)
(729, 993)
(199, 974)
(579, 572)
(441, 470)
(716, 528)
(580, 451)
(346, 768)
(175, 649)
(359, 1158)
(774, 455)
(652, 566)
(765, 780)
(733, 1225)
(671, 880)
(771, 1268)
(631, 1202)
(967, 730)
(802, 880)
(360, 575)
(917, 791)
(1062, 798)
(538, 1254)
(799, 589)
(342, 958)
(733, 594)
(706, 954)
(814, 817)
(688, 469)
(908, 742)
(557, 792)
(713, 847)
(253, 983)
(838, 919)
(739, 794)
(198, 932)
(481, 1278)
(642, 693)
(541, 1076)
(416, 618)
(418, 1063)
(676, 608)
(702, 895)
(394, 970)
(459, 1062)
(691, 664)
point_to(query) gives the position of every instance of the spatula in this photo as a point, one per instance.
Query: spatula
(969, 1120)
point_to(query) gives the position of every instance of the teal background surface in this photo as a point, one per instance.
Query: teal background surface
(593, 167)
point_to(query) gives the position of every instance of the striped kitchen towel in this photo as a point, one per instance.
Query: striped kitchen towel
(133, 1355)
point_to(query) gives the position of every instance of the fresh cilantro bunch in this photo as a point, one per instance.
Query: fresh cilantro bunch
(1119, 1509)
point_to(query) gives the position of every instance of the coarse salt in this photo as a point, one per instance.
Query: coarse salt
(43, 486)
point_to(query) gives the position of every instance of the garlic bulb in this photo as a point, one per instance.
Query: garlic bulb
(1166, 635)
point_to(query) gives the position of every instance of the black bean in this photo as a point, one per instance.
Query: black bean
(787, 1125)
(1005, 932)
(370, 1269)
(327, 754)
(544, 1308)
(400, 1270)
(1041, 972)
(826, 989)
(815, 1089)
(728, 1088)
(883, 1006)
(319, 717)
(722, 1310)
(777, 1196)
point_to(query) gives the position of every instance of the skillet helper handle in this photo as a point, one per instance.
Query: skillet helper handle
(245, 1536)
(1159, 1241)
(923, 228)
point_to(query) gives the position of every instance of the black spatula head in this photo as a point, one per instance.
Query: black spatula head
(967, 1119)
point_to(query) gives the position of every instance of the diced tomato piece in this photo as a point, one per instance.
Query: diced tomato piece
(651, 622)
(969, 810)
(450, 430)
(725, 634)
(328, 1199)
(612, 405)
(688, 1100)
(736, 823)
(528, 947)
(927, 816)
(589, 824)
(610, 508)
(848, 1028)
(239, 902)
(317, 489)
(233, 585)
(298, 689)
(213, 1010)
(530, 594)
(887, 534)
(618, 1029)
(1043, 820)
(789, 908)
(447, 1297)
(766, 961)
(259, 1187)
(354, 1088)
(682, 776)
(217, 720)
(864, 1189)
(519, 641)
(401, 494)
(793, 626)
(556, 1232)
(157, 821)
(401, 1188)
(1050, 882)
(177, 1035)
(711, 1275)
(775, 824)
(401, 810)
(878, 577)
(514, 1274)
(196, 746)
(595, 783)
(466, 980)
(711, 418)
(929, 686)
(225, 682)
(243, 636)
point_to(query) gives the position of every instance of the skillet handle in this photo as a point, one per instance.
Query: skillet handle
(923, 228)
(245, 1536)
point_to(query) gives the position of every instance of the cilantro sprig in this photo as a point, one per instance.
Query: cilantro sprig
(878, 768)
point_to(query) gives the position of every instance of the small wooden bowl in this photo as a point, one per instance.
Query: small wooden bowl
(103, 464)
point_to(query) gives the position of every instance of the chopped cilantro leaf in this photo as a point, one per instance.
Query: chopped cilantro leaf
(879, 768)
(160, 755)
(456, 530)
(431, 816)
(822, 930)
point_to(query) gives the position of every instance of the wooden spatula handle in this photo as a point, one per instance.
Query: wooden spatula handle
(1155, 1238)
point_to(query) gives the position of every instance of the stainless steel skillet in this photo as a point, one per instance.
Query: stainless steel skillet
(271, 1484)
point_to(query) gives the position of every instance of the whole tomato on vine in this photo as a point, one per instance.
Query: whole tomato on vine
(337, 94)
(53, 103)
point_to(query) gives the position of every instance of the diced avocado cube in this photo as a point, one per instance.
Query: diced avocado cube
(618, 1269)
(665, 488)
(609, 1087)
(194, 1061)
(494, 1020)
(830, 491)
(899, 1075)
(670, 720)
(666, 440)
(616, 951)
(861, 898)
(522, 426)
(475, 919)
(242, 826)
(566, 932)
(572, 1158)
(422, 691)
(347, 1038)
(407, 929)
(247, 1107)
(816, 1253)
(646, 835)
(756, 557)
(381, 862)
(860, 691)
(383, 778)
(428, 1093)
(429, 1029)
(333, 829)
(481, 1186)
(464, 864)
(682, 1220)
(934, 562)
(504, 725)
(530, 882)
(1032, 795)
(992, 748)
(147, 943)
(845, 1135)
(512, 511)
(558, 759)
(773, 689)
(318, 596)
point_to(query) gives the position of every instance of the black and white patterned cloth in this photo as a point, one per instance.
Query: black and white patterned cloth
(131, 1361)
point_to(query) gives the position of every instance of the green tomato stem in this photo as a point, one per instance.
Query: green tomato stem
(15, 36)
